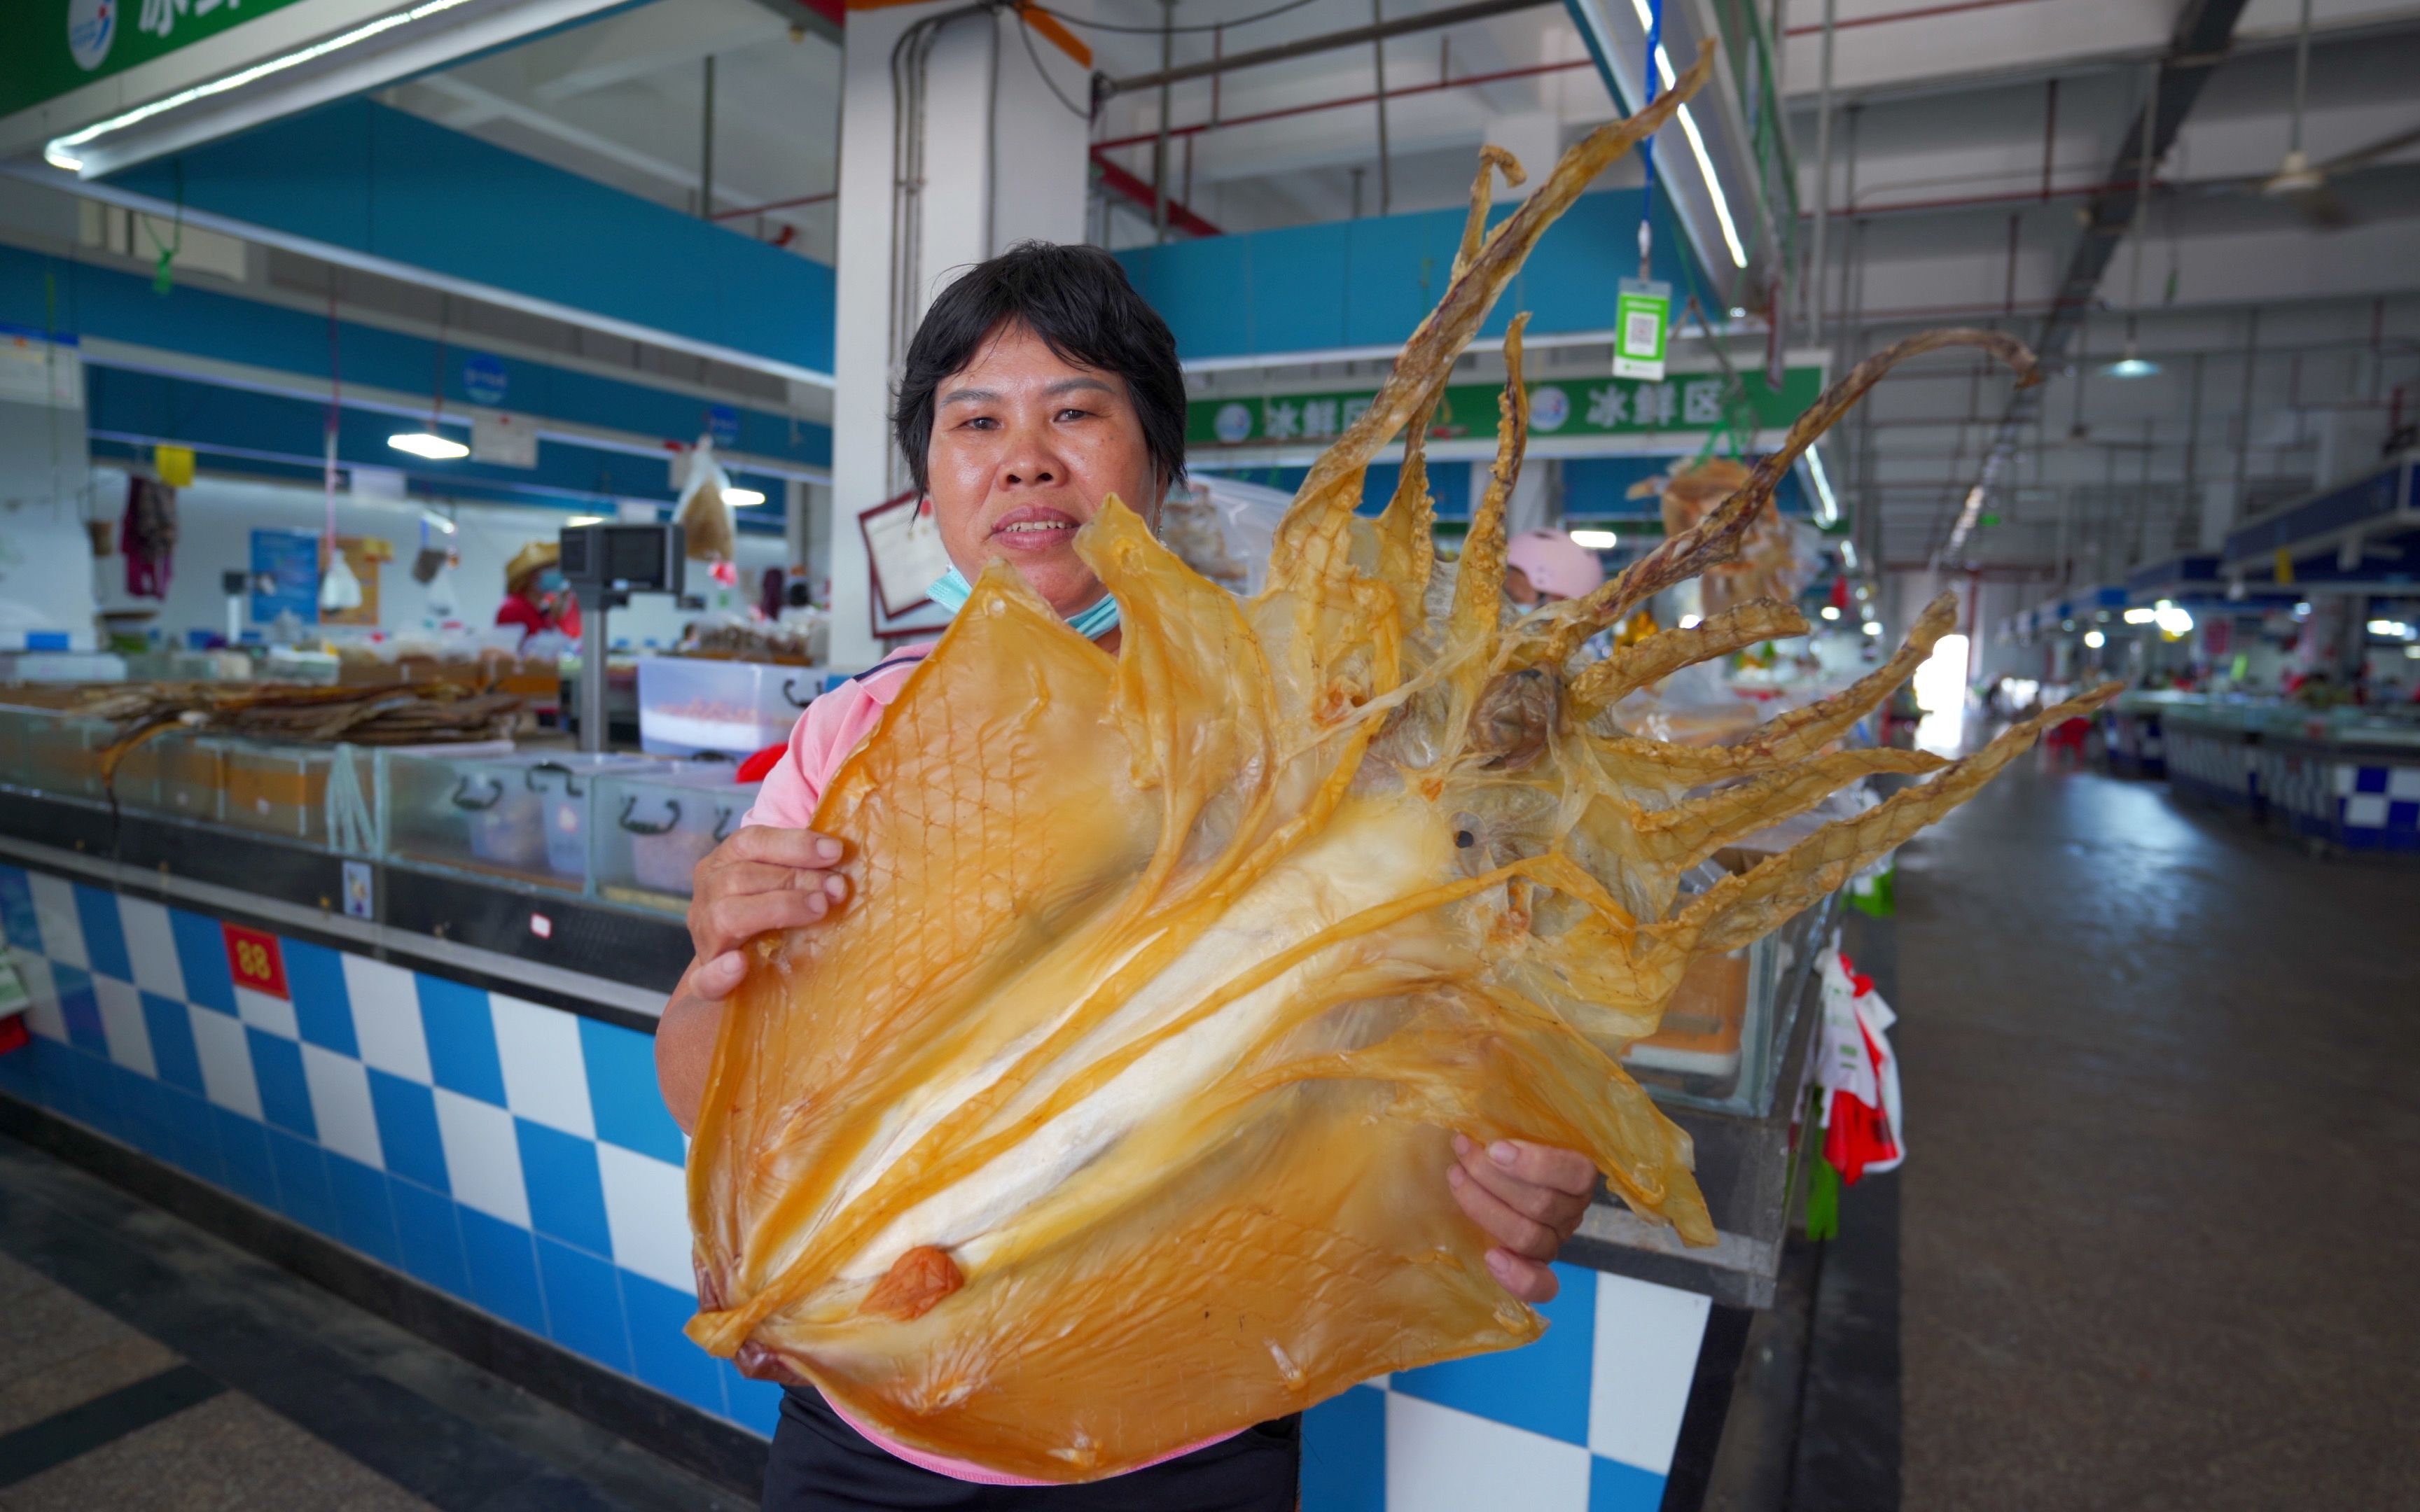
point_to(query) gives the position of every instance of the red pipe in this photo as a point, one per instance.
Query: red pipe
(1217, 125)
(1138, 189)
(1905, 15)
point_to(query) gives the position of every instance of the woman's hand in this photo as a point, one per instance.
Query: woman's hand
(760, 880)
(1529, 1198)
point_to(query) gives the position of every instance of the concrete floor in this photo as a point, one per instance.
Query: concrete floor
(145, 1363)
(2161, 1215)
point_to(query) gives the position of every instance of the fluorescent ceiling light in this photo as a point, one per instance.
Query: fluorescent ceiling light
(1696, 143)
(583, 520)
(2173, 622)
(2095, 639)
(1597, 540)
(1827, 509)
(2130, 367)
(1830, 612)
(2141, 616)
(742, 498)
(1849, 554)
(2391, 629)
(59, 152)
(439, 520)
(1871, 628)
(428, 444)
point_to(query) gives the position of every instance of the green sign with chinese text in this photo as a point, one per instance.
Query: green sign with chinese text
(1681, 404)
(55, 46)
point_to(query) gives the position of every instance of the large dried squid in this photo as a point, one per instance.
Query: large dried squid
(1113, 1113)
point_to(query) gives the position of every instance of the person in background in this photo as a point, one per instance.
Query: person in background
(1542, 566)
(536, 596)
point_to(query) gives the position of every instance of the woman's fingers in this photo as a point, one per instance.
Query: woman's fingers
(762, 879)
(731, 922)
(1517, 1232)
(1526, 1279)
(741, 877)
(718, 978)
(1544, 1184)
(1564, 1170)
(799, 849)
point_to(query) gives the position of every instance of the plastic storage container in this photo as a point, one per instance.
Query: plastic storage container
(523, 815)
(651, 829)
(176, 775)
(689, 704)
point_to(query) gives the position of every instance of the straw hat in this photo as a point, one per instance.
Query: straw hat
(533, 558)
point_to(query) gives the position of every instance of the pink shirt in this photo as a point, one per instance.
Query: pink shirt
(832, 727)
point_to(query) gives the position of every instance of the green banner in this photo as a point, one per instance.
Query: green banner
(1683, 403)
(55, 46)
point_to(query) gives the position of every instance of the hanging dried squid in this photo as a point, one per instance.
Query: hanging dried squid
(1113, 1113)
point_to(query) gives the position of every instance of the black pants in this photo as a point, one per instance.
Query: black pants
(821, 1464)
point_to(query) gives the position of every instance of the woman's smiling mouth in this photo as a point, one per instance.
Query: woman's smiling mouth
(1033, 528)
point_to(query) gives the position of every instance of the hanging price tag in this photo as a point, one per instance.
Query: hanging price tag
(1642, 315)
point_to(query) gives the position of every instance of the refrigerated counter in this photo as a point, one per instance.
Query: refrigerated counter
(2346, 777)
(404, 999)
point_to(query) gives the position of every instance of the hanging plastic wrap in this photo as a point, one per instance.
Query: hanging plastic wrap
(1222, 528)
(711, 530)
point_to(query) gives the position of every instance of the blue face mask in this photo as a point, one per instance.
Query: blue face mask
(951, 591)
(550, 582)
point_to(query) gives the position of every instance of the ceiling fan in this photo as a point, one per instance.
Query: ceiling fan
(2305, 182)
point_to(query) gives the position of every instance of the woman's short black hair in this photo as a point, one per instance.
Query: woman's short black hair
(1076, 298)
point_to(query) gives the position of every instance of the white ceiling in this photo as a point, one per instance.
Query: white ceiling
(1941, 114)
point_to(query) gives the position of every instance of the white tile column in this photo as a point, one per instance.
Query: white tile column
(1003, 161)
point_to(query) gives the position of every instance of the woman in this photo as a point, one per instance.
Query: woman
(1039, 384)
(536, 596)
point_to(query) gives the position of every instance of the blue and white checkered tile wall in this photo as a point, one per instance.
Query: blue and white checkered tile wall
(513, 1155)
(520, 1158)
(2378, 805)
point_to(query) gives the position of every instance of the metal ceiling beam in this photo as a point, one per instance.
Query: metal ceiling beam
(1427, 21)
(2200, 45)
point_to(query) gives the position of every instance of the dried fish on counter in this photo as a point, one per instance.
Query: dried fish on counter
(422, 714)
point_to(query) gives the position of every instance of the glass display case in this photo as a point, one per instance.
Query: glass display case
(177, 775)
(50, 751)
(650, 829)
(279, 790)
(523, 815)
(1729, 1020)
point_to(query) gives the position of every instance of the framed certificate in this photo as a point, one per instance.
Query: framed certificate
(903, 546)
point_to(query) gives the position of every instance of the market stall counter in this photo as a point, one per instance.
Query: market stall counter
(2346, 777)
(406, 1009)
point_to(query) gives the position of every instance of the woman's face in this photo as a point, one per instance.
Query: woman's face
(1025, 447)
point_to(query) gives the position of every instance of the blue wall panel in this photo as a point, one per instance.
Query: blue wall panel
(1368, 283)
(276, 435)
(359, 175)
(47, 293)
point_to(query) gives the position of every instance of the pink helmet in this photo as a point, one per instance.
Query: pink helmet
(1554, 564)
